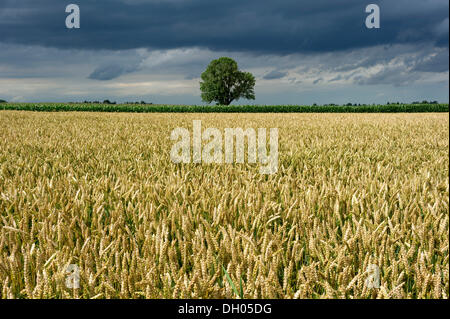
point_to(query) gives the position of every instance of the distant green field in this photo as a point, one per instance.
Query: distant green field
(149, 108)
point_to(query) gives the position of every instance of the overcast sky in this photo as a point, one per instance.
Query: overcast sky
(301, 52)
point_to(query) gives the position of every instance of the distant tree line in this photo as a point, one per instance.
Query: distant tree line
(388, 103)
(314, 104)
(142, 102)
(425, 102)
(110, 102)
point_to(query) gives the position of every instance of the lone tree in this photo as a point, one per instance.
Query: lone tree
(224, 83)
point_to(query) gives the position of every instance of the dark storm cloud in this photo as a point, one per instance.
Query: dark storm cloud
(273, 75)
(317, 80)
(336, 78)
(112, 71)
(260, 26)
(107, 72)
(437, 63)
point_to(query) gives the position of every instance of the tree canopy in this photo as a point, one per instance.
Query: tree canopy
(224, 83)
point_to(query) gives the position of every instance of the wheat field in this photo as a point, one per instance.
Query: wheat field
(99, 191)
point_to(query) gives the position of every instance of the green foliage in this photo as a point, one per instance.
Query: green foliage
(138, 108)
(224, 83)
(2, 101)
(239, 294)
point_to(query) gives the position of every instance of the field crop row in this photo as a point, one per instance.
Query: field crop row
(392, 108)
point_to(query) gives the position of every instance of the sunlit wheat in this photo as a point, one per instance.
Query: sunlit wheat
(100, 191)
